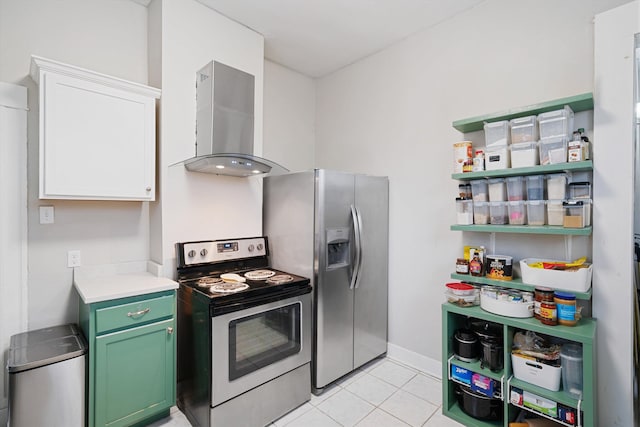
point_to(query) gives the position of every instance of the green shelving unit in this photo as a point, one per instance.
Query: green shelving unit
(582, 102)
(454, 316)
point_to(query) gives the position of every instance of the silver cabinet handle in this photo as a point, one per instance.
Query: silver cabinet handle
(138, 313)
(148, 189)
(169, 330)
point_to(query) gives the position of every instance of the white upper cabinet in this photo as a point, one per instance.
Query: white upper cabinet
(97, 134)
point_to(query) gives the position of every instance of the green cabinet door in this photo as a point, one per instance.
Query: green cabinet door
(134, 374)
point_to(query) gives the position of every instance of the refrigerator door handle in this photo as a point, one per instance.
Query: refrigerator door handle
(359, 247)
(356, 230)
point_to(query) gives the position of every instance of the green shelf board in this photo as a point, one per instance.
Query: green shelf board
(525, 229)
(556, 396)
(582, 102)
(516, 283)
(586, 165)
(583, 332)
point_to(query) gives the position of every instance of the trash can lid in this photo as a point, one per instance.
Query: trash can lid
(44, 347)
(37, 336)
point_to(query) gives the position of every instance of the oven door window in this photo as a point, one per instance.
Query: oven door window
(261, 339)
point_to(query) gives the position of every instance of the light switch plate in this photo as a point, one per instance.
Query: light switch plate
(46, 215)
(73, 259)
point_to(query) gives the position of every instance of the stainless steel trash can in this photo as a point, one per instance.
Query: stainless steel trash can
(47, 377)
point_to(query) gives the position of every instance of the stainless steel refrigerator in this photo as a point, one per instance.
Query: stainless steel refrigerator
(333, 228)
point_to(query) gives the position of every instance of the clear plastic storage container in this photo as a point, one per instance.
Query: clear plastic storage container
(535, 187)
(580, 190)
(524, 129)
(515, 188)
(464, 211)
(517, 212)
(479, 191)
(557, 123)
(497, 157)
(497, 133)
(553, 150)
(524, 154)
(556, 186)
(498, 213)
(481, 212)
(571, 362)
(497, 190)
(576, 213)
(536, 210)
(555, 214)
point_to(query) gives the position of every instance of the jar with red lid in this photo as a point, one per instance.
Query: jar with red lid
(541, 295)
(548, 313)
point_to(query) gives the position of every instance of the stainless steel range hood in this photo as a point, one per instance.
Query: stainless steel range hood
(224, 124)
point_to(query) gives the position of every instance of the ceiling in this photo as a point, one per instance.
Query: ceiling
(318, 37)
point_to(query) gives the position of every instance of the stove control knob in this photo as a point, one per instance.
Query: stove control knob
(251, 248)
(203, 252)
(191, 253)
(260, 246)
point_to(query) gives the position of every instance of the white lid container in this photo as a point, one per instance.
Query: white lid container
(557, 123)
(524, 129)
(497, 133)
(524, 154)
(497, 190)
(556, 186)
(553, 150)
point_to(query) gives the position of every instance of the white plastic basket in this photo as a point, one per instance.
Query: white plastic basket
(577, 281)
(536, 373)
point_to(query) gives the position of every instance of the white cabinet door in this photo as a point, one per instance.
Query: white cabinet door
(97, 137)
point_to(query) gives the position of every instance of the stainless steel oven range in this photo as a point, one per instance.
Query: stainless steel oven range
(244, 334)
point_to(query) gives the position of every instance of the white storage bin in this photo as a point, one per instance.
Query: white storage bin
(497, 157)
(524, 154)
(464, 211)
(536, 373)
(497, 133)
(524, 129)
(553, 150)
(577, 280)
(521, 309)
(557, 123)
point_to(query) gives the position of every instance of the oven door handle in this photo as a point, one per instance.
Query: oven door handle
(356, 230)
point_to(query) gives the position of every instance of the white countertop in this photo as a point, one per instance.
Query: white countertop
(112, 281)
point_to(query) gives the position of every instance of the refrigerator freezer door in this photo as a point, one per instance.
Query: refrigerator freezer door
(371, 296)
(333, 306)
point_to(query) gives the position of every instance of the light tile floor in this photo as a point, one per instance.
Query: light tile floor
(384, 393)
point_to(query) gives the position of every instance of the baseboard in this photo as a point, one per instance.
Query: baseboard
(418, 361)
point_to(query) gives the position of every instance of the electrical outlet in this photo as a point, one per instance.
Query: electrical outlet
(46, 214)
(73, 259)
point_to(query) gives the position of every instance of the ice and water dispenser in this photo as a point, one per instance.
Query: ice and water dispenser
(338, 248)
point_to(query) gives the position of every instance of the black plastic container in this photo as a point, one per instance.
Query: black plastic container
(492, 354)
(478, 405)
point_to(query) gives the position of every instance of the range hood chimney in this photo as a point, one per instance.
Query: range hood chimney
(224, 124)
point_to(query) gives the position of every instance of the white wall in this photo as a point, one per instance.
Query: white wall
(391, 114)
(196, 206)
(289, 117)
(613, 277)
(108, 37)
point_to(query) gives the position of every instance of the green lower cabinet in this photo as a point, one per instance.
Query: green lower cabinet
(132, 372)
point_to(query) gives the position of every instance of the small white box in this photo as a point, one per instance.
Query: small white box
(573, 280)
(536, 373)
(497, 158)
